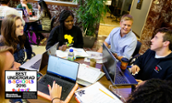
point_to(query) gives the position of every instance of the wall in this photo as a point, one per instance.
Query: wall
(139, 15)
(159, 16)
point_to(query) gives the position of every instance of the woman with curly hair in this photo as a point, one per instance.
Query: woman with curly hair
(152, 91)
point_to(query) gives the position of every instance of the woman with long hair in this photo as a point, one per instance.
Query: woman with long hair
(45, 19)
(6, 63)
(12, 35)
(66, 33)
(44, 16)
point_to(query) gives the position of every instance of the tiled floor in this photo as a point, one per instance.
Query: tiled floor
(105, 28)
(106, 25)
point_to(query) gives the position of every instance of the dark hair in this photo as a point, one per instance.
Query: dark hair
(44, 8)
(4, 1)
(167, 36)
(8, 29)
(152, 91)
(63, 16)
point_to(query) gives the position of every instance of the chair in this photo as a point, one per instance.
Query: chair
(136, 52)
(111, 8)
(44, 31)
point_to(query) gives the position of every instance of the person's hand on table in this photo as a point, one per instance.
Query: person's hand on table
(23, 5)
(55, 92)
(140, 82)
(63, 47)
(135, 69)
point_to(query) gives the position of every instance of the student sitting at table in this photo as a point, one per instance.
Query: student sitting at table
(12, 35)
(156, 62)
(121, 39)
(66, 33)
(6, 10)
(45, 17)
(152, 91)
(25, 6)
(7, 63)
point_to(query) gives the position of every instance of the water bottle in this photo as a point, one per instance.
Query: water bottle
(71, 55)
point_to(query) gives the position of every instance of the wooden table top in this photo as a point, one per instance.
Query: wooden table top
(124, 91)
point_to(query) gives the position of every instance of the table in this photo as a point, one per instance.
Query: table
(26, 19)
(124, 91)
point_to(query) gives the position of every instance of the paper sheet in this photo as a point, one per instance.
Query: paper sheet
(94, 94)
(78, 52)
(88, 74)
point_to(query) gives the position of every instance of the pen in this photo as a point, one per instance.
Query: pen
(106, 93)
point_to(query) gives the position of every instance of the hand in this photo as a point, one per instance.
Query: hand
(23, 5)
(135, 69)
(140, 82)
(63, 47)
(55, 91)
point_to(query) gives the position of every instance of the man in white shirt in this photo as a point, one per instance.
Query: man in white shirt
(5, 10)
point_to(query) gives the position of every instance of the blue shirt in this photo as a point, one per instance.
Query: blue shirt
(123, 46)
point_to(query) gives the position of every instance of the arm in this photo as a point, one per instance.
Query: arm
(79, 38)
(55, 92)
(129, 49)
(53, 38)
(28, 7)
(101, 48)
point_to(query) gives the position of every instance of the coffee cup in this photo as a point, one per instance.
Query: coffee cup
(92, 62)
(124, 63)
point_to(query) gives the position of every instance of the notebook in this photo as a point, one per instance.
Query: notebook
(64, 72)
(113, 72)
(96, 93)
(39, 61)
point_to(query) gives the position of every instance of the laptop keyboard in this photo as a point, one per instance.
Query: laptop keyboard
(36, 65)
(120, 79)
(49, 80)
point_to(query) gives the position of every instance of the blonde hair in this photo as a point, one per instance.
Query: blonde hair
(126, 17)
(3, 49)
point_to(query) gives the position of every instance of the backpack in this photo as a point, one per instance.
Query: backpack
(33, 38)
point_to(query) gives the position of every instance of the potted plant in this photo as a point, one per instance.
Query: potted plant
(89, 13)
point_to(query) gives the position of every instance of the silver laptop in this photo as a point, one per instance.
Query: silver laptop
(112, 70)
(21, 13)
(39, 61)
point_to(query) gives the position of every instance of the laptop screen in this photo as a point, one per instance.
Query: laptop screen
(109, 62)
(21, 13)
(62, 67)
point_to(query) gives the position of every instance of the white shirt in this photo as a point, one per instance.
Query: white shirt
(5, 10)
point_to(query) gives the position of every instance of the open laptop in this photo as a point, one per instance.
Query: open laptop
(64, 72)
(21, 13)
(39, 61)
(113, 72)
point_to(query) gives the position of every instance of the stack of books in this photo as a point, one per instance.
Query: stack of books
(88, 75)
